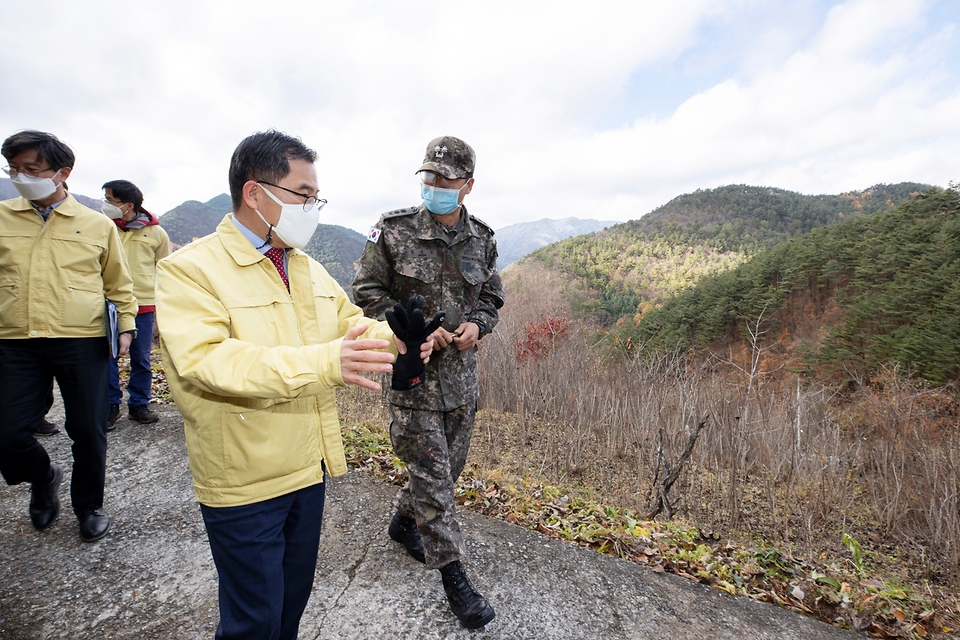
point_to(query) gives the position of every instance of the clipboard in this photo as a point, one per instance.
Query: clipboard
(113, 333)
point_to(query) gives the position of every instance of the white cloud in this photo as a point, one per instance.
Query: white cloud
(161, 94)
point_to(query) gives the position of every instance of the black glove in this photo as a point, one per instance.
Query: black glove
(408, 323)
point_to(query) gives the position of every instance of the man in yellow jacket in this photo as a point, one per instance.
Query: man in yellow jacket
(255, 336)
(58, 261)
(145, 243)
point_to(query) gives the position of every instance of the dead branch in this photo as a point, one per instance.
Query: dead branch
(660, 490)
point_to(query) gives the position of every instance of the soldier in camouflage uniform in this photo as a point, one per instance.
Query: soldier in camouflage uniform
(441, 252)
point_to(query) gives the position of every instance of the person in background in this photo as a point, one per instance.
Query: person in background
(58, 261)
(145, 243)
(439, 251)
(255, 336)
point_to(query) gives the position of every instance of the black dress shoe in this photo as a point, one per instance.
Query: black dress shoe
(472, 609)
(404, 530)
(46, 428)
(45, 499)
(143, 415)
(94, 525)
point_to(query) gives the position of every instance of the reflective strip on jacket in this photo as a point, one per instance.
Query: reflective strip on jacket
(144, 248)
(54, 275)
(252, 367)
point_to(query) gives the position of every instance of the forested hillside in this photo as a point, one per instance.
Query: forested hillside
(194, 219)
(338, 249)
(631, 267)
(842, 298)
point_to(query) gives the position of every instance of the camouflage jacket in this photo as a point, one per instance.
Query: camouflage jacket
(408, 254)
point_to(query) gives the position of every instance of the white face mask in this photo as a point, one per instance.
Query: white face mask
(295, 226)
(33, 188)
(111, 211)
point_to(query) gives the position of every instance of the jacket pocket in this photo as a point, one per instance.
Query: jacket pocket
(12, 304)
(268, 443)
(82, 306)
(474, 273)
(325, 302)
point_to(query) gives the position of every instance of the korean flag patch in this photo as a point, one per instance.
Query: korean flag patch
(374, 235)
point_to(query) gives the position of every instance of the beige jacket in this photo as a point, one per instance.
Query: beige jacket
(54, 275)
(253, 367)
(144, 249)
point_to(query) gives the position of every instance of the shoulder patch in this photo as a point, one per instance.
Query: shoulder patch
(406, 211)
(374, 234)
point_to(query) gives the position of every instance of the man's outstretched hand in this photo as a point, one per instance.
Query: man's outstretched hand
(358, 356)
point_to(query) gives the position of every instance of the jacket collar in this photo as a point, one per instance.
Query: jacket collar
(427, 228)
(69, 207)
(238, 246)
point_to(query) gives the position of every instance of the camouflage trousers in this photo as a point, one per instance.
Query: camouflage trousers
(434, 446)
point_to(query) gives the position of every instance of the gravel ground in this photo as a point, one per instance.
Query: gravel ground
(152, 575)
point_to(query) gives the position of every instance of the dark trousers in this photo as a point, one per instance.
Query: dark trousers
(266, 557)
(27, 368)
(141, 376)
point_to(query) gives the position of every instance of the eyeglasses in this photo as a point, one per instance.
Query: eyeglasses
(309, 202)
(13, 173)
(433, 179)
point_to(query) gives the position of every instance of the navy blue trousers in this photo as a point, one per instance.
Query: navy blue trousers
(141, 376)
(266, 557)
(27, 369)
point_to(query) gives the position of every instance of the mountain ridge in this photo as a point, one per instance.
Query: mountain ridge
(617, 271)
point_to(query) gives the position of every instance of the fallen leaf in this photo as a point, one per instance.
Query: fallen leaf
(920, 630)
(658, 568)
(899, 615)
(797, 593)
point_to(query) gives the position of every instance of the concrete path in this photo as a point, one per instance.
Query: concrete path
(152, 576)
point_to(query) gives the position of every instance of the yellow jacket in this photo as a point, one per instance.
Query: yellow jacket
(144, 249)
(252, 366)
(54, 276)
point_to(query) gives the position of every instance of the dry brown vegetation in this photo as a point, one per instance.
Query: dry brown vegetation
(784, 474)
(793, 464)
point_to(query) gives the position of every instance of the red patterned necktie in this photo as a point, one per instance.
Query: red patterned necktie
(276, 257)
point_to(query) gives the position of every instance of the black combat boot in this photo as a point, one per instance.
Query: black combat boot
(471, 608)
(143, 415)
(112, 417)
(404, 530)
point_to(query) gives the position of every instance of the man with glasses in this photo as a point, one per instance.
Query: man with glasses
(58, 261)
(255, 335)
(439, 251)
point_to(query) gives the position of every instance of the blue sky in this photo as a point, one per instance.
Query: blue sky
(603, 110)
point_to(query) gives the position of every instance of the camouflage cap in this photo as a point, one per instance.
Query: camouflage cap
(450, 157)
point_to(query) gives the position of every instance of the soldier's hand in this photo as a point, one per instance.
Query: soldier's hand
(123, 343)
(358, 356)
(441, 339)
(466, 335)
